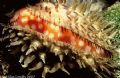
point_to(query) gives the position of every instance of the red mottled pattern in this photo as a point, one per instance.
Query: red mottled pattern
(55, 32)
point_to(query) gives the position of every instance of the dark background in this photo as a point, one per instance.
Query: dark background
(7, 6)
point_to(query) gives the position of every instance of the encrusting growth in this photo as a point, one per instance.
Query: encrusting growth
(112, 16)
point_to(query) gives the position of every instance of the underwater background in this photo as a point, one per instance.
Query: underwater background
(9, 60)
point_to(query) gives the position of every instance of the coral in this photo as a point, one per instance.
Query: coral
(112, 16)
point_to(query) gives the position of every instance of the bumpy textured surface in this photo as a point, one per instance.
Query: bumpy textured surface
(53, 36)
(36, 52)
(112, 15)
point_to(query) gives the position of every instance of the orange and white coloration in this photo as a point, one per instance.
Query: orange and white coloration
(51, 21)
(58, 28)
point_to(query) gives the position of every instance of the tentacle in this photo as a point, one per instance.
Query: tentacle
(35, 54)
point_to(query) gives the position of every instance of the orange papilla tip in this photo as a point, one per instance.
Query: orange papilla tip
(66, 36)
(23, 20)
(43, 25)
(93, 47)
(55, 30)
(87, 46)
(33, 24)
